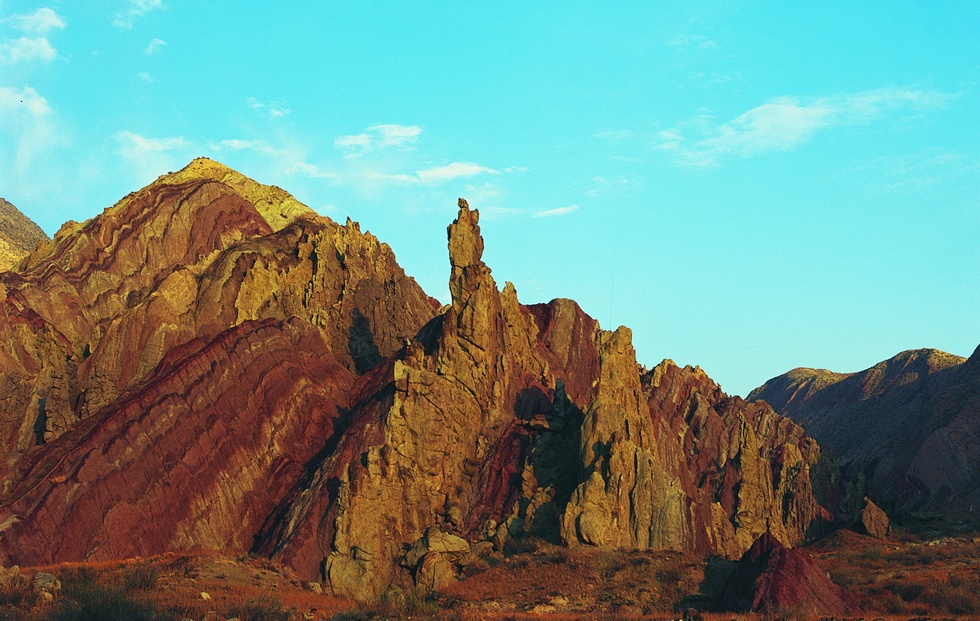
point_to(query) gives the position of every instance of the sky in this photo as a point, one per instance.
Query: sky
(749, 186)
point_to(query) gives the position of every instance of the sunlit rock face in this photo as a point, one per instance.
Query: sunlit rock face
(208, 364)
(908, 428)
(18, 235)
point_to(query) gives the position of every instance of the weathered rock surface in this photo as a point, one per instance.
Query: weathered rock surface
(771, 577)
(91, 315)
(204, 305)
(18, 235)
(500, 420)
(873, 520)
(909, 427)
(269, 381)
(745, 469)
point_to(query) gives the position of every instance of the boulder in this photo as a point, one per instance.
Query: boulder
(770, 576)
(873, 521)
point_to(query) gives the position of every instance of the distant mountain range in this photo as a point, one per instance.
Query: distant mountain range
(910, 425)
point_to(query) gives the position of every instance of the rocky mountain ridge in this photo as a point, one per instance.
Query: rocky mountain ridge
(907, 426)
(209, 364)
(18, 235)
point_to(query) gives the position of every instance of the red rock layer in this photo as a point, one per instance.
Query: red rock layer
(774, 579)
(196, 459)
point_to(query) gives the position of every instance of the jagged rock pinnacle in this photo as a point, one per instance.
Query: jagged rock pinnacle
(465, 241)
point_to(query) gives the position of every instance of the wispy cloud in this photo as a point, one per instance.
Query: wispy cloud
(310, 170)
(39, 22)
(686, 41)
(605, 186)
(26, 49)
(914, 172)
(135, 9)
(146, 77)
(274, 110)
(30, 136)
(786, 122)
(27, 119)
(151, 157)
(442, 174)
(436, 175)
(285, 161)
(614, 135)
(379, 137)
(557, 211)
(155, 46)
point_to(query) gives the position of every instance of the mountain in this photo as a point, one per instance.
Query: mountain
(18, 235)
(909, 425)
(208, 364)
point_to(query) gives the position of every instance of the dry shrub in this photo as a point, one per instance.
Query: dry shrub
(961, 598)
(16, 590)
(262, 608)
(140, 577)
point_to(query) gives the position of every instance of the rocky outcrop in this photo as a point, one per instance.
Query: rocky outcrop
(745, 469)
(906, 429)
(18, 235)
(269, 381)
(499, 420)
(873, 521)
(773, 579)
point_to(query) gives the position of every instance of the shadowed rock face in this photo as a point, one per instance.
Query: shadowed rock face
(770, 576)
(18, 235)
(910, 426)
(209, 364)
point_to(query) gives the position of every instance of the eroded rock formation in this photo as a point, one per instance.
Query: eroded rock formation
(210, 364)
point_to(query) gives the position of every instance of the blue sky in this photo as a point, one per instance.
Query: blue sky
(750, 186)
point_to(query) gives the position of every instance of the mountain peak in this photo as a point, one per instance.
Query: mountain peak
(18, 235)
(278, 207)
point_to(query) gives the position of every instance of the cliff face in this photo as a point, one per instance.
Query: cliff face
(18, 235)
(209, 364)
(908, 425)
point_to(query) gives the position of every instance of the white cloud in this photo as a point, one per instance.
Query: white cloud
(40, 21)
(155, 46)
(441, 174)
(272, 109)
(285, 162)
(379, 137)
(136, 8)
(434, 176)
(786, 122)
(135, 145)
(309, 170)
(146, 77)
(28, 120)
(151, 157)
(26, 49)
(557, 211)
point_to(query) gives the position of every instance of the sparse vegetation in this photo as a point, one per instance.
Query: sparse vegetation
(262, 608)
(16, 590)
